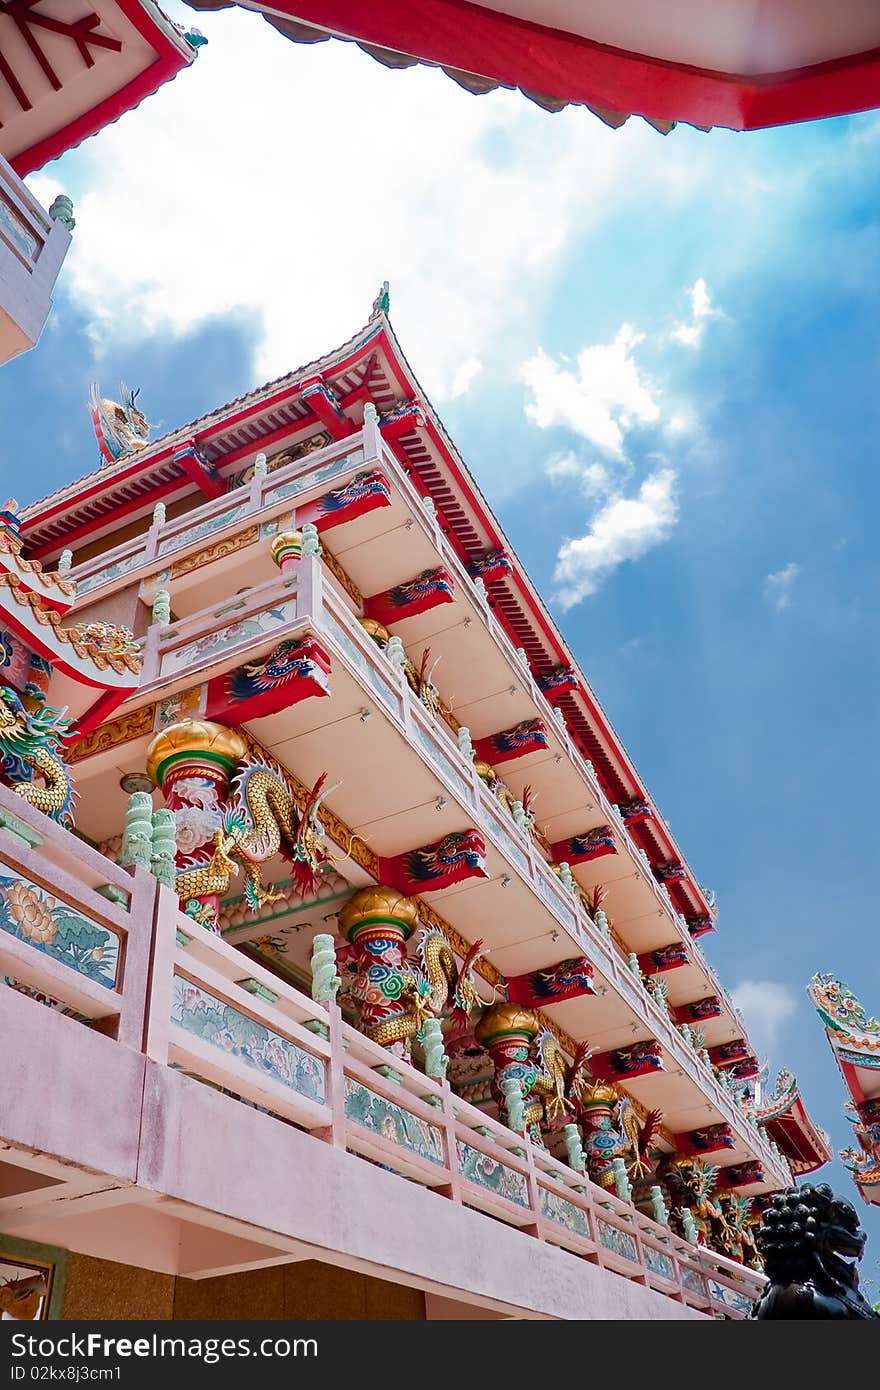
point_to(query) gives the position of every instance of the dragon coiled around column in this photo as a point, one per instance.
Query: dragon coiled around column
(429, 987)
(30, 746)
(260, 819)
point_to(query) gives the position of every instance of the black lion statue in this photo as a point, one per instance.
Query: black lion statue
(811, 1241)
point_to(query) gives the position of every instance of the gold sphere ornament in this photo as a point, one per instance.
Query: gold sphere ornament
(287, 545)
(195, 741)
(507, 1022)
(378, 907)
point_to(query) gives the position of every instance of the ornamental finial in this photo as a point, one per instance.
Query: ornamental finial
(382, 302)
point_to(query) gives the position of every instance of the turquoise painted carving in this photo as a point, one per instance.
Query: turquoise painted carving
(229, 1030)
(621, 1242)
(658, 1263)
(495, 1177)
(392, 1122)
(564, 1213)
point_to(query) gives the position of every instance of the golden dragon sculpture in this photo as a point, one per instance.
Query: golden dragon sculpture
(427, 988)
(30, 746)
(261, 819)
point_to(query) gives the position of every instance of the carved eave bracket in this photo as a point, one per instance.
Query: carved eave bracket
(568, 979)
(666, 958)
(428, 590)
(290, 672)
(700, 1009)
(530, 736)
(562, 680)
(454, 859)
(711, 1139)
(579, 849)
(626, 1063)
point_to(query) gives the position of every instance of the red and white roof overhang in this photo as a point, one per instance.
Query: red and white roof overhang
(744, 64)
(70, 67)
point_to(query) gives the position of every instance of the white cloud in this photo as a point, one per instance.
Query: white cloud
(593, 479)
(624, 528)
(766, 1007)
(778, 586)
(600, 399)
(464, 376)
(702, 309)
(284, 183)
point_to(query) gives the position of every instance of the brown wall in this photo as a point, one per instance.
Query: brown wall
(307, 1290)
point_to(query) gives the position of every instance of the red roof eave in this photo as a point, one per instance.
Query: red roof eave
(518, 52)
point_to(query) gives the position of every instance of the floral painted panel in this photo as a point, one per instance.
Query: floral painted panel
(205, 528)
(736, 1302)
(358, 659)
(691, 1279)
(495, 1177)
(319, 475)
(31, 914)
(195, 653)
(564, 1213)
(234, 1032)
(392, 1122)
(658, 1263)
(621, 1242)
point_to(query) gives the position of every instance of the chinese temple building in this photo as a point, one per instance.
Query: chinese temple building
(351, 969)
(855, 1042)
(67, 69)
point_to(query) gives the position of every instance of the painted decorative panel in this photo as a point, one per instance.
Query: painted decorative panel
(691, 1279)
(658, 1263)
(552, 898)
(103, 576)
(439, 759)
(204, 528)
(195, 653)
(621, 1242)
(392, 1122)
(503, 836)
(495, 1177)
(31, 914)
(239, 1035)
(736, 1302)
(358, 659)
(19, 233)
(186, 704)
(565, 1213)
(319, 475)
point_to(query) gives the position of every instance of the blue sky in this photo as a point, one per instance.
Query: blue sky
(658, 356)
